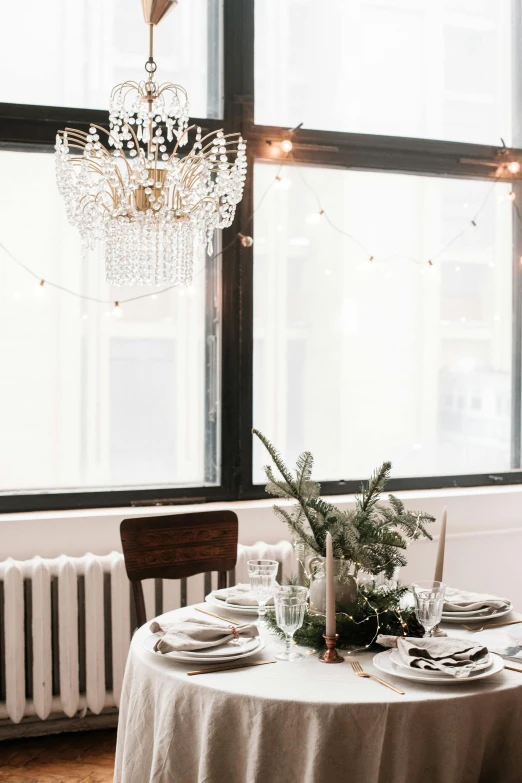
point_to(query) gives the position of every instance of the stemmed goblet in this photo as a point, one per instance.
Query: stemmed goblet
(290, 604)
(262, 575)
(429, 601)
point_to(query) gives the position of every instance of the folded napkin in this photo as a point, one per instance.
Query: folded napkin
(241, 595)
(462, 601)
(455, 657)
(195, 634)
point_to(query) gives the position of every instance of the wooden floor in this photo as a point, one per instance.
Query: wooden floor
(63, 758)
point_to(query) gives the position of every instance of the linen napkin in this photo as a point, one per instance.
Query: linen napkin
(195, 634)
(455, 657)
(463, 601)
(240, 594)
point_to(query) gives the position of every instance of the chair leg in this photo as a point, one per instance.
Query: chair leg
(139, 600)
(222, 580)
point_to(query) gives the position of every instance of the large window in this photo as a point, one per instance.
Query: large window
(358, 359)
(438, 70)
(93, 395)
(377, 314)
(63, 53)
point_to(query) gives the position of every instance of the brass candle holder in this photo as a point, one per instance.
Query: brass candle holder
(330, 655)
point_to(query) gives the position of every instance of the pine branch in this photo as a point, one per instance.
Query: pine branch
(278, 462)
(372, 537)
(376, 485)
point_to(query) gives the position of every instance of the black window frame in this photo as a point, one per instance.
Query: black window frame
(33, 128)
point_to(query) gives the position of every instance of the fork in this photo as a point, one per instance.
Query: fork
(492, 625)
(359, 671)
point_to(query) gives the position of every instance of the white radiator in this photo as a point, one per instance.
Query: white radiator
(66, 625)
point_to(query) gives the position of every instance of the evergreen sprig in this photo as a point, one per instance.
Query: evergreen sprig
(376, 612)
(372, 537)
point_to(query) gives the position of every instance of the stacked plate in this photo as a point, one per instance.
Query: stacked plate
(213, 599)
(390, 662)
(225, 653)
(478, 615)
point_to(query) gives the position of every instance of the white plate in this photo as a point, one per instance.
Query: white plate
(396, 659)
(458, 617)
(225, 651)
(474, 611)
(150, 641)
(382, 661)
(211, 599)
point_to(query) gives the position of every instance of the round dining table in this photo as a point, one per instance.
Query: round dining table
(310, 722)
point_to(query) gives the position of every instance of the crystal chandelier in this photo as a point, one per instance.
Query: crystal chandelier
(132, 188)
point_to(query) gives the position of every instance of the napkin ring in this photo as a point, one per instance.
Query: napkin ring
(234, 632)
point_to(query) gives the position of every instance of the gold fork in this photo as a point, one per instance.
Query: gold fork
(356, 666)
(492, 625)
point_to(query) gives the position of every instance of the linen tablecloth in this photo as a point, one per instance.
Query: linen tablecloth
(307, 722)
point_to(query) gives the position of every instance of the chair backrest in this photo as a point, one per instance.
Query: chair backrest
(178, 546)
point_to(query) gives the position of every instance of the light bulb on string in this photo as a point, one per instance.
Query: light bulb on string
(511, 195)
(286, 146)
(514, 166)
(117, 312)
(246, 241)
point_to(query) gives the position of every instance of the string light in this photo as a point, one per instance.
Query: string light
(247, 241)
(117, 312)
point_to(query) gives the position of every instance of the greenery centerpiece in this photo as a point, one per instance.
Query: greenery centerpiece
(370, 538)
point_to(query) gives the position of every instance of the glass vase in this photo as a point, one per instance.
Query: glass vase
(345, 586)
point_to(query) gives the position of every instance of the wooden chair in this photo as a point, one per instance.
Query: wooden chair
(177, 546)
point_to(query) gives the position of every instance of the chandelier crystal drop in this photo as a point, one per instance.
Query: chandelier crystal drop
(135, 189)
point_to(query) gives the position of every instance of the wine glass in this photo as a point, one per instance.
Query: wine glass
(429, 600)
(262, 575)
(290, 604)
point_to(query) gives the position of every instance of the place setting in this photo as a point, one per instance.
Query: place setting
(201, 640)
(209, 638)
(435, 659)
(252, 598)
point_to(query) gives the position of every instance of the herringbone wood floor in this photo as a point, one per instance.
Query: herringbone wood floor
(63, 758)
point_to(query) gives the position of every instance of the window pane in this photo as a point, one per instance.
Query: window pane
(363, 361)
(73, 52)
(88, 400)
(438, 70)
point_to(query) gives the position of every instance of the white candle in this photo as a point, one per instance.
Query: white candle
(439, 567)
(330, 588)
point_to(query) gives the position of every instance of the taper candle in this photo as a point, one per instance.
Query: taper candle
(439, 567)
(330, 588)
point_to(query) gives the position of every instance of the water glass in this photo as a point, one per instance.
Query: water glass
(262, 575)
(429, 600)
(290, 605)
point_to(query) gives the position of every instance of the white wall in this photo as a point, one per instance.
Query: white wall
(483, 550)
